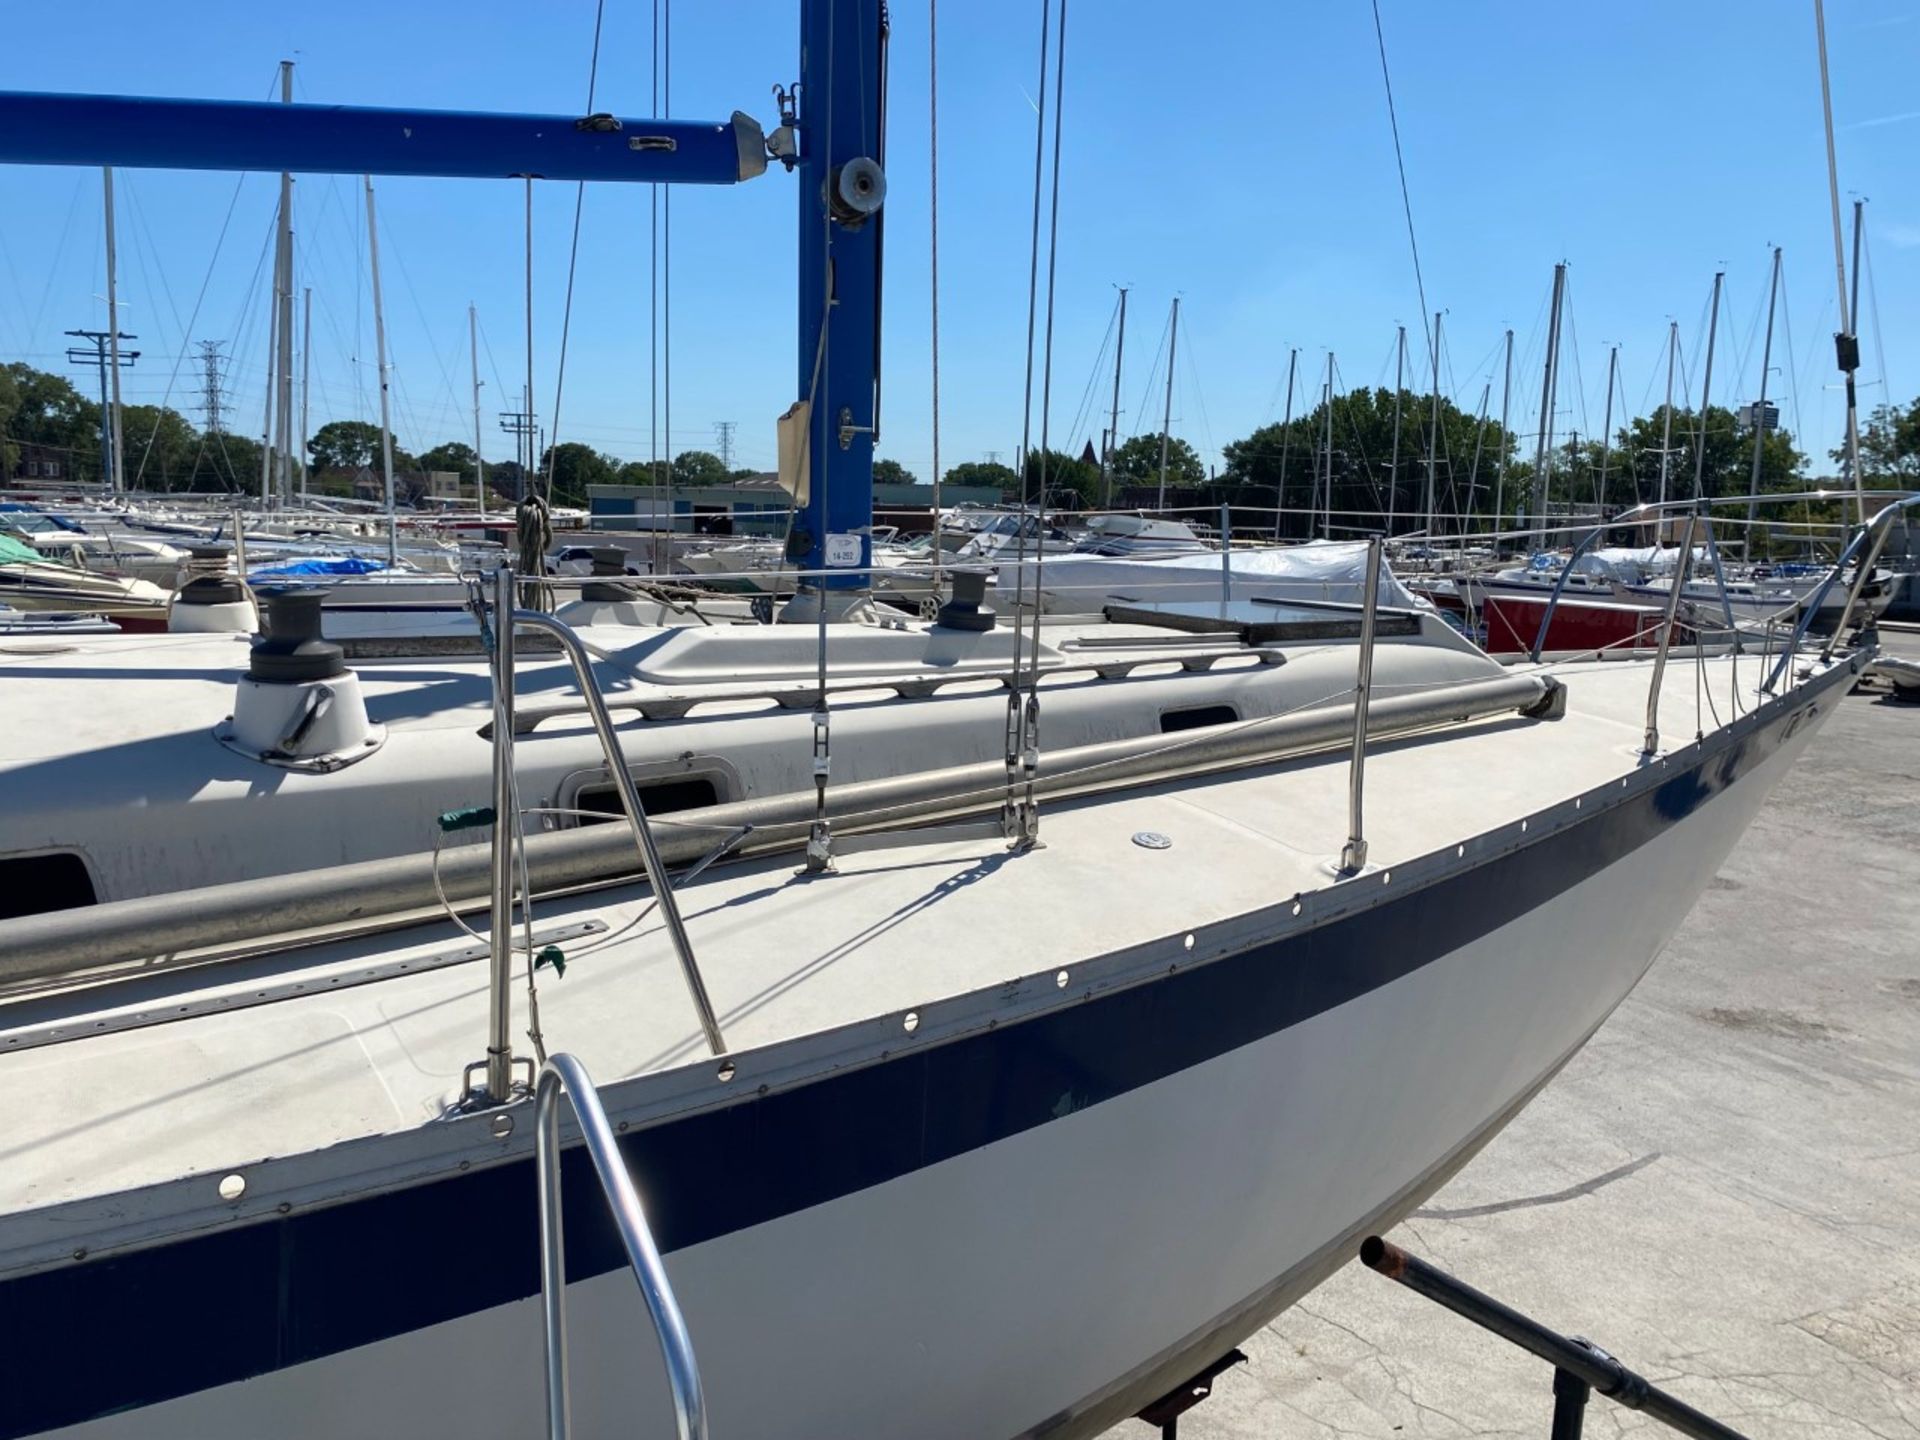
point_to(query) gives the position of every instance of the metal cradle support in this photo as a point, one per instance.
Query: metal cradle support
(1579, 1366)
(563, 1075)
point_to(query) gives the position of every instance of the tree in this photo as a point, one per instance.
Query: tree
(1727, 470)
(1055, 478)
(699, 467)
(1290, 462)
(641, 472)
(1889, 446)
(48, 412)
(160, 446)
(224, 462)
(9, 402)
(987, 474)
(452, 456)
(892, 472)
(1137, 462)
(348, 445)
(571, 467)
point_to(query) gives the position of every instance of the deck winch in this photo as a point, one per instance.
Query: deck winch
(299, 705)
(213, 598)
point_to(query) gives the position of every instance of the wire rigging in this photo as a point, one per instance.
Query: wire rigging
(1399, 160)
(573, 247)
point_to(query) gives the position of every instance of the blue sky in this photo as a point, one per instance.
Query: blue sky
(1237, 154)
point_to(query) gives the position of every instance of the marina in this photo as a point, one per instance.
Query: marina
(599, 945)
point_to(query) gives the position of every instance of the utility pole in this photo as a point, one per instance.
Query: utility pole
(1606, 433)
(283, 311)
(1166, 422)
(380, 350)
(519, 424)
(1433, 429)
(1706, 390)
(473, 356)
(306, 386)
(103, 359)
(1544, 450)
(1393, 466)
(1760, 410)
(1286, 444)
(1113, 429)
(723, 437)
(1506, 436)
(116, 468)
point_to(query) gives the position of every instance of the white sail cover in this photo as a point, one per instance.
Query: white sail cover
(1317, 570)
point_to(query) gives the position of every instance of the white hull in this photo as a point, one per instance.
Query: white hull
(1054, 1280)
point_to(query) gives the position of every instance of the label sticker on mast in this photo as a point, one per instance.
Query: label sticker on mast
(843, 551)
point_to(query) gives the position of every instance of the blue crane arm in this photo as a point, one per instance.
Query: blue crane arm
(139, 131)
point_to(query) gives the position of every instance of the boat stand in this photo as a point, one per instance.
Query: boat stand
(1167, 1410)
(1580, 1367)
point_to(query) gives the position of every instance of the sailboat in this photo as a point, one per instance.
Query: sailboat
(991, 1098)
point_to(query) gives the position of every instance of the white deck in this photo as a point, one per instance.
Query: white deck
(785, 957)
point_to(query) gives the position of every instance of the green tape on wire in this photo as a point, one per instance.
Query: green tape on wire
(474, 817)
(553, 955)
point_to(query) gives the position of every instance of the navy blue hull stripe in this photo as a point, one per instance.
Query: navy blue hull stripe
(120, 1332)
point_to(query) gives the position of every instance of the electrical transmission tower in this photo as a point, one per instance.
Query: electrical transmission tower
(210, 401)
(723, 434)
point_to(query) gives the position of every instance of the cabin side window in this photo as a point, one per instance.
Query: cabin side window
(660, 797)
(37, 884)
(1196, 716)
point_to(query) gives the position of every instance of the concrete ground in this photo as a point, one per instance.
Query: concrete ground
(1723, 1188)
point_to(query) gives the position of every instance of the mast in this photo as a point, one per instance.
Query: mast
(1326, 513)
(1113, 431)
(1506, 437)
(479, 465)
(1544, 447)
(1286, 444)
(1166, 421)
(1760, 414)
(380, 351)
(1393, 467)
(116, 472)
(1606, 435)
(1666, 426)
(1473, 475)
(1706, 389)
(1853, 404)
(266, 409)
(1433, 428)
(283, 306)
(1846, 344)
(306, 387)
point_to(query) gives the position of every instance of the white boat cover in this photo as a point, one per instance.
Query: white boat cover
(1317, 570)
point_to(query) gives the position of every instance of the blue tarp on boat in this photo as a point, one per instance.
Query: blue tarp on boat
(346, 565)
